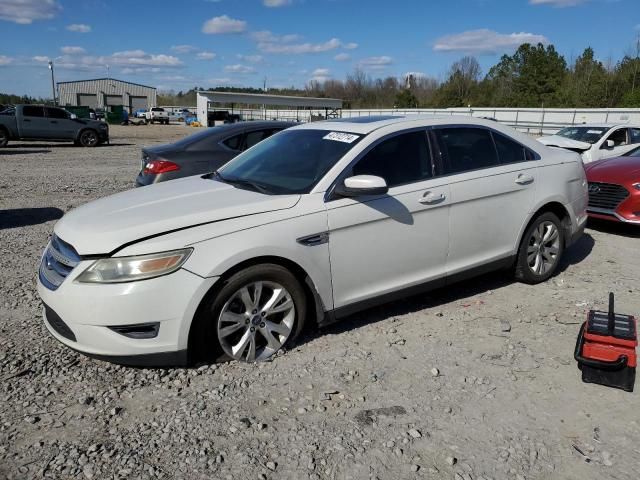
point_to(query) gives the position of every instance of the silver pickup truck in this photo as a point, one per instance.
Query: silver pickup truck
(39, 122)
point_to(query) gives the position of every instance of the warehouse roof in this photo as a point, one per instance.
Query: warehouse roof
(105, 78)
(265, 99)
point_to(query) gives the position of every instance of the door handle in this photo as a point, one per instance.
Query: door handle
(524, 179)
(430, 198)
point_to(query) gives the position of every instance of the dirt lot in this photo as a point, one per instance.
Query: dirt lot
(358, 400)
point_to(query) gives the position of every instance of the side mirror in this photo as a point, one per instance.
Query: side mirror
(362, 185)
(609, 144)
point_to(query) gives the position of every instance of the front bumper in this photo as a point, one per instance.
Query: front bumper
(88, 310)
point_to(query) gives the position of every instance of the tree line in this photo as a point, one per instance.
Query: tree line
(533, 76)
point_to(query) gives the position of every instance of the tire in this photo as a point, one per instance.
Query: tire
(538, 260)
(4, 137)
(233, 324)
(88, 138)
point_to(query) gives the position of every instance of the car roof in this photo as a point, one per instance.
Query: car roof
(604, 125)
(368, 124)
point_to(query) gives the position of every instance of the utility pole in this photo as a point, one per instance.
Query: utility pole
(53, 83)
(635, 67)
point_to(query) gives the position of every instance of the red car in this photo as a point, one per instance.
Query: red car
(614, 188)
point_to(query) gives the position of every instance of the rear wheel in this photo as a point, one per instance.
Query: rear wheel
(4, 137)
(540, 250)
(89, 138)
(258, 311)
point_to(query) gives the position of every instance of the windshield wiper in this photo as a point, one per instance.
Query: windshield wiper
(255, 186)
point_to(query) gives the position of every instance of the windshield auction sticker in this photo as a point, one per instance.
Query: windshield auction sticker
(341, 137)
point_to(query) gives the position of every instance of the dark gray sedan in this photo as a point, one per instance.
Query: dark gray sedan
(204, 151)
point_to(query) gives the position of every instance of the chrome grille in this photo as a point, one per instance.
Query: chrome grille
(58, 261)
(606, 196)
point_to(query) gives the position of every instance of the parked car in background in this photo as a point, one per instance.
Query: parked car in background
(596, 141)
(157, 115)
(202, 152)
(99, 114)
(140, 113)
(39, 122)
(614, 188)
(308, 226)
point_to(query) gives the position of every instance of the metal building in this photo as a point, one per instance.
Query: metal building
(105, 92)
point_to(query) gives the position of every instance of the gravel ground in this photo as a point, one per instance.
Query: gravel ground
(474, 382)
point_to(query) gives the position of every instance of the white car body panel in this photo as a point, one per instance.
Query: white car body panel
(599, 150)
(376, 245)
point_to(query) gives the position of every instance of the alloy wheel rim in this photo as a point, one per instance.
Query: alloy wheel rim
(256, 321)
(90, 138)
(543, 249)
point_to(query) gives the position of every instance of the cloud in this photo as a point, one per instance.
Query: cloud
(251, 58)
(239, 68)
(350, 46)
(376, 63)
(73, 50)
(299, 48)
(558, 3)
(485, 41)
(265, 36)
(41, 58)
(184, 48)
(342, 57)
(323, 72)
(27, 11)
(129, 61)
(276, 3)
(79, 27)
(4, 60)
(206, 56)
(223, 24)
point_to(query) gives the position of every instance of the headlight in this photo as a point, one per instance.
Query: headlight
(129, 269)
(636, 186)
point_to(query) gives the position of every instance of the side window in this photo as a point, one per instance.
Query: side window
(32, 111)
(256, 137)
(235, 142)
(635, 135)
(399, 160)
(56, 113)
(508, 150)
(465, 149)
(619, 137)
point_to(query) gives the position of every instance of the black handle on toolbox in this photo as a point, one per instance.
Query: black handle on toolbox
(618, 364)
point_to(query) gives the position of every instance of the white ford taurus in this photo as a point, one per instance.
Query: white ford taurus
(308, 226)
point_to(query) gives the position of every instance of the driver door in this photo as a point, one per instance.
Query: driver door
(621, 144)
(385, 243)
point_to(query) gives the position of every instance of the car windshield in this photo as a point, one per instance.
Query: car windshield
(292, 161)
(583, 134)
(633, 153)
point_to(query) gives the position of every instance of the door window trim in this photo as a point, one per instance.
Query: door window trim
(611, 133)
(330, 195)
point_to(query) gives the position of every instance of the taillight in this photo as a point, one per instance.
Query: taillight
(160, 166)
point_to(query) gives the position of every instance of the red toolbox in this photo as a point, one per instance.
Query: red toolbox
(606, 348)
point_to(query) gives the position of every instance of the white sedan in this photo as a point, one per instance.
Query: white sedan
(596, 141)
(306, 227)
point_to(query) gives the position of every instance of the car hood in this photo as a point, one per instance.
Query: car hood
(562, 142)
(619, 170)
(105, 225)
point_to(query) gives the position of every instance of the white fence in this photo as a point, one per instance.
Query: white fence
(536, 121)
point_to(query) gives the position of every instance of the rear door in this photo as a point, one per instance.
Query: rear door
(33, 122)
(60, 125)
(492, 182)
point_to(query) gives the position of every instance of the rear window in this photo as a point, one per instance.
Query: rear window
(155, 109)
(465, 149)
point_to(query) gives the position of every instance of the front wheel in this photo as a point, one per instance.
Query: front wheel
(89, 138)
(257, 312)
(540, 250)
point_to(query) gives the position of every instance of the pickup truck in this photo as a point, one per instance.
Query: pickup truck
(157, 114)
(39, 122)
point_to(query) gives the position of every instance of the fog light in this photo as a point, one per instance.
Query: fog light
(138, 331)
